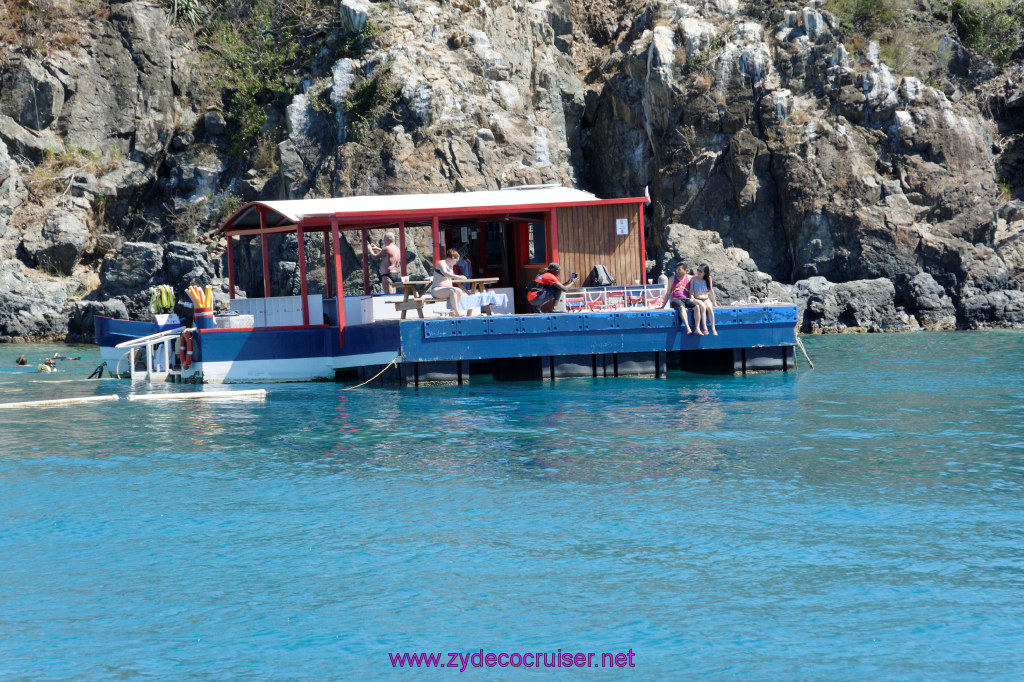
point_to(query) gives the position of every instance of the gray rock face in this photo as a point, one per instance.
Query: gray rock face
(31, 308)
(814, 161)
(734, 275)
(83, 314)
(123, 94)
(60, 243)
(354, 14)
(1009, 236)
(134, 267)
(994, 309)
(932, 307)
(772, 153)
(864, 305)
(34, 145)
(29, 94)
(187, 264)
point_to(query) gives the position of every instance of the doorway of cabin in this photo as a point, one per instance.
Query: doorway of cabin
(514, 251)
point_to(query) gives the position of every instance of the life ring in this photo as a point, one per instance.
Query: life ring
(185, 348)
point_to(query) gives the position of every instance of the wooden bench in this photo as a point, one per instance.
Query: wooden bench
(416, 303)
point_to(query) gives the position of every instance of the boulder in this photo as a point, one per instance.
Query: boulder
(859, 306)
(929, 302)
(994, 309)
(31, 307)
(293, 171)
(59, 244)
(83, 314)
(12, 187)
(214, 124)
(134, 267)
(733, 273)
(123, 186)
(186, 264)
(5, 217)
(354, 14)
(33, 145)
(29, 94)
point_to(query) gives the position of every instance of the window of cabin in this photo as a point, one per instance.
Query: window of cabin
(536, 237)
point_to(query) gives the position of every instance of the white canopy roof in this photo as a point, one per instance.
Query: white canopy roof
(293, 211)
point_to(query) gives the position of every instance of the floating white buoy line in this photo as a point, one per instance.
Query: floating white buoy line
(62, 401)
(201, 395)
(255, 394)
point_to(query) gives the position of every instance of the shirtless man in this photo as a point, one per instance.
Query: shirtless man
(390, 262)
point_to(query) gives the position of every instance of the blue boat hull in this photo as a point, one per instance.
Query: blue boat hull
(111, 331)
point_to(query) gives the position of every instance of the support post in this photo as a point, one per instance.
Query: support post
(643, 247)
(231, 268)
(401, 245)
(265, 250)
(300, 236)
(328, 280)
(435, 231)
(366, 265)
(339, 297)
(553, 224)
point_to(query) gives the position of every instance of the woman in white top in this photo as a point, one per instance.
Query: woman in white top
(702, 290)
(443, 287)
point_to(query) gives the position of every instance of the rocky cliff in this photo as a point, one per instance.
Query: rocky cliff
(874, 179)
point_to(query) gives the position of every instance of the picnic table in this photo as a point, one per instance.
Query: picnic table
(417, 292)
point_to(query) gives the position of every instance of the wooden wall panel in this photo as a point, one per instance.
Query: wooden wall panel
(586, 237)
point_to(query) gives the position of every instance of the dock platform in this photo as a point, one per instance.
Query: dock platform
(509, 347)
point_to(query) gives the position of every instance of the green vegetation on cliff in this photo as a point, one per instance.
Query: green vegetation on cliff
(908, 30)
(257, 52)
(994, 28)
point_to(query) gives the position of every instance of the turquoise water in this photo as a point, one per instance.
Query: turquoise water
(864, 520)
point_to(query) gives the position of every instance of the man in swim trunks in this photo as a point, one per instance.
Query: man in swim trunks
(390, 262)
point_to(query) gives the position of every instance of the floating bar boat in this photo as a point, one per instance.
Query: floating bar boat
(506, 237)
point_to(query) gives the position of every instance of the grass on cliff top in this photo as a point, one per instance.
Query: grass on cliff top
(256, 52)
(41, 28)
(992, 28)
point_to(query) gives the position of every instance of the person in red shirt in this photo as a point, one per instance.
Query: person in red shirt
(545, 290)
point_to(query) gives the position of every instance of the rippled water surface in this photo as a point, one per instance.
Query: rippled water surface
(864, 520)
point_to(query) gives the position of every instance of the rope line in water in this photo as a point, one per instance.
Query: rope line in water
(804, 351)
(388, 366)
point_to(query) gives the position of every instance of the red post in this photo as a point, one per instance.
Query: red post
(340, 289)
(302, 275)
(643, 248)
(231, 270)
(265, 249)
(366, 265)
(554, 235)
(481, 241)
(328, 282)
(401, 245)
(435, 231)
